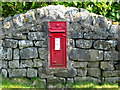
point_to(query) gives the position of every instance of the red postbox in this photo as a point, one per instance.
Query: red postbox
(57, 44)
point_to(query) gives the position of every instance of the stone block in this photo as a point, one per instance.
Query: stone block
(39, 43)
(7, 53)
(0, 64)
(105, 44)
(94, 72)
(95, 80)
(31, 73)
(79, 54)
(93, 64)
(9, 43)
(111, 55)
(36, 36)
(43, 53)
(25, 43)
(95, 35)
(76, 34)
(19, 35)
(107, 65)
(26, 63)
(70, 73)
(4, 72)
(4, 64)
(95, 55)
(70, 80)
(37, 63)
(1, 53)
(14, 64)
(72, 42)
(80, 64)
(118, 45)
(115, 73)
(16, 54)
(82, 72)
(81, 43)
(28, 53)
(86, 55)
(17, 72)
(54, 80)
(112, 79)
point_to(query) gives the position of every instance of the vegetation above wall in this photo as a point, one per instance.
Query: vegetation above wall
(110, 10)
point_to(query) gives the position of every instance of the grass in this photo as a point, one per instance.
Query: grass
(37, 83)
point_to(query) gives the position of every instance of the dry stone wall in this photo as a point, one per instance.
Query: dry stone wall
(93, 46)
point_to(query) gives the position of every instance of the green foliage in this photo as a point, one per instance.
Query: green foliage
(109, 9)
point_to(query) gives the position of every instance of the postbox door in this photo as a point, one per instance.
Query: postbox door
(58, 50)
(57, 44)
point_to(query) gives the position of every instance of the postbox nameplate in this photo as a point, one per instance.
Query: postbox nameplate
(57, 43)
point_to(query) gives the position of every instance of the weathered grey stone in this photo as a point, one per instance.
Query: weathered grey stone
(80, 64)
(17, 72)
(1, 53)
(28, 53)
(37, 63)
(19, 35)
(70, 80)
(9, 43)
(111, 73)
(105, 44)
(112, 79)
(95, 35)
(76, 34)
(95, 72)
(81, 43)
(79, 54)
(0, 64)
(31, 73)
(54, 80)
(72, 42)
(36, 28)
(4, 72)
(25, 43)
(82, 72)
(7, 53)
(87, 79)
(16, 54)
(26, 63)
(14, 64)
(110, 55)
(95, 55)
(18, 20)
(107, 65)
(37, 36)
(118, 45)
(4, 64)
(117, 65)
(42, 53)
(85, 55)
(63, 73)
(30, 16)
(40, 44)
(93, 64)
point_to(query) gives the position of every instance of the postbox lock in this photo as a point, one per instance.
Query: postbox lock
(54, 62)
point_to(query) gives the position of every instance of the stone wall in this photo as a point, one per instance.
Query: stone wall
(93, 46)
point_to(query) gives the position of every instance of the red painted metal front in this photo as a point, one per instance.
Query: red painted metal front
(57, 44)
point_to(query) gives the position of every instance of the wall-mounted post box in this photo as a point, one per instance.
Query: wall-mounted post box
(57, 44)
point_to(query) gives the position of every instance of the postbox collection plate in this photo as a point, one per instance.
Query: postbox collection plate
(57, 44)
